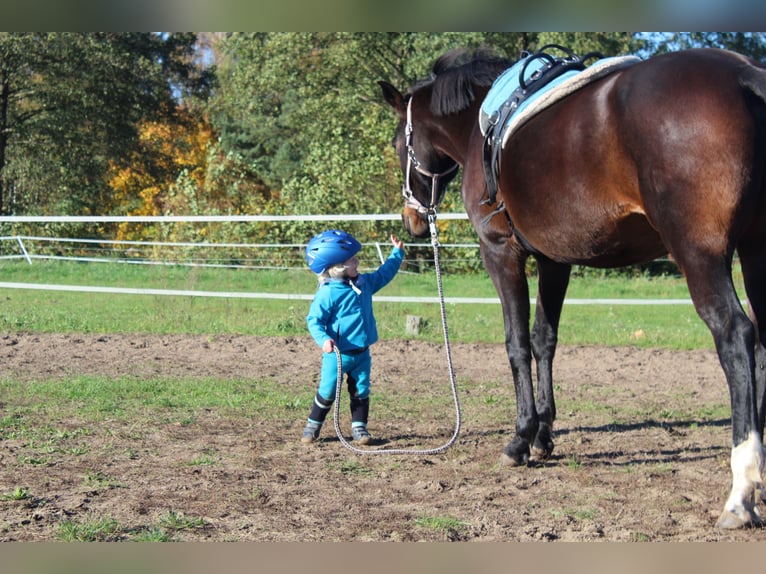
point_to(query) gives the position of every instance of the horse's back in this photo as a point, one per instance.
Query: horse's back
(667, 152)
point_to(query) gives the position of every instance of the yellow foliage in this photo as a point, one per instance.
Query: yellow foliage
(143, 186)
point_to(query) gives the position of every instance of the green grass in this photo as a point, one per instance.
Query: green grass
(442, 523)
(676, 326)
(349, 467)
(107, 529)
(177, 521)
(18, 493)
(172, 399)
(92, 530)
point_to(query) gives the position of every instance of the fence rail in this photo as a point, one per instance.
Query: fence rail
(209, 218)
(29, 256)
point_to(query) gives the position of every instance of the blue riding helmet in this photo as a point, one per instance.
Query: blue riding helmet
(330, 248)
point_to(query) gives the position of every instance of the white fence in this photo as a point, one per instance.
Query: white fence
(23, 240)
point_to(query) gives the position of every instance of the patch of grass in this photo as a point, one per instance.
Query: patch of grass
(91, 530)
(202, 460)
(586, 406)
(34, 460)
(125, 398)
(172, 522)
(660, 468)
(349, 467)
(574, 463)
(675, 326)
(639, 537)
(18, 493)
(712, 413)
(177, 521)
(151, 535)
(442, 523)
(97, 480)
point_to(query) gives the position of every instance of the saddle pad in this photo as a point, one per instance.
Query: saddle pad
(506, 84)
(547, 95)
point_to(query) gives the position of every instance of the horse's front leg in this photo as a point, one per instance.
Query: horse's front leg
(505, 265)
(553, 280)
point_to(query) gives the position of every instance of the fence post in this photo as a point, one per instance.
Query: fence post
(380, 252)
(24, 250)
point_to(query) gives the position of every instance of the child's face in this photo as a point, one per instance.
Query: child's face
(351, 267)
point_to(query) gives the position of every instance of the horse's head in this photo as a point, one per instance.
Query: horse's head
(436, 118)
(427, 171)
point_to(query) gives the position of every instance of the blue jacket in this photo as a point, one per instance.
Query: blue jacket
(339, 313)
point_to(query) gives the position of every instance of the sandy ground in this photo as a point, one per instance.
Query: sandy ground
(642, 449)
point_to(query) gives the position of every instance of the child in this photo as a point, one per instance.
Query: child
(341, 316)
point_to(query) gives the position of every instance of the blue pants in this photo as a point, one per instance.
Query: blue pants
(356, 366)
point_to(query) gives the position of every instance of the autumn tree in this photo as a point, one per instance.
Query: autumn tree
(70, 104)
(143, 184)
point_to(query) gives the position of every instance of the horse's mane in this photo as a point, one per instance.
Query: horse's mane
(454, 75)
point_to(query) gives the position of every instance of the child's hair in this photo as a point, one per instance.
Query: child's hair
(332, 272)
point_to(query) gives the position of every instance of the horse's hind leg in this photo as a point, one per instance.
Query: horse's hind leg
(552, 286)
(753, 260)
(716, 301)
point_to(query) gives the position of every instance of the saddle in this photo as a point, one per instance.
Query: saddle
(533, 83)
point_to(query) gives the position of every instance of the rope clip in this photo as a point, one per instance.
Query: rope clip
(432, 226)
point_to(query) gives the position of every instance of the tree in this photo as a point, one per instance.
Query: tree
(303, 111)
(143, 185)
(751, 44)
(70, 104)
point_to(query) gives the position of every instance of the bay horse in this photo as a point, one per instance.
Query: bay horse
(667, 156)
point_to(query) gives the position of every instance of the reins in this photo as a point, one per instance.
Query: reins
(453, 384)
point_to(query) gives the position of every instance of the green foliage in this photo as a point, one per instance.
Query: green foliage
(18, 493)
(176, 521)
(293, 123)
(318, 117)
(71, 104)
(442, 523)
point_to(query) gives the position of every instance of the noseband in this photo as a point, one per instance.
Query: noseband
(409, 199)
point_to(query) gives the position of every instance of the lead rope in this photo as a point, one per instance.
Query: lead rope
(453, 384)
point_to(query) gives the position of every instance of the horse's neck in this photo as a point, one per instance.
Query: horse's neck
(458, 132)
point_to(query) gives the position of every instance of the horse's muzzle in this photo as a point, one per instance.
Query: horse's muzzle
(414, 223)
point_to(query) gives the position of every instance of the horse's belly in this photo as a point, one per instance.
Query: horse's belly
(626, 241)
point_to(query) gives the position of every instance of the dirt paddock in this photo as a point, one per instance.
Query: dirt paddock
(642, 450)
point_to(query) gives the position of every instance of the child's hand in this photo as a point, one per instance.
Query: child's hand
(397, 242)
(328, 346)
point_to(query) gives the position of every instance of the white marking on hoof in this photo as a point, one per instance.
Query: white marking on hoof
(741, 508)
(730, 521)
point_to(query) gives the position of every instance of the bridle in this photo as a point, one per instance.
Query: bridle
(412, 162)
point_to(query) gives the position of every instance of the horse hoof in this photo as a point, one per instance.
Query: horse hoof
(730, 521)
(540, 454)
(506, 460)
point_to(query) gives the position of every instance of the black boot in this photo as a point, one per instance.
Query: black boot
(319, 410)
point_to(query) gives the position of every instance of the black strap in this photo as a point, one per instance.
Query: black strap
(554, 67)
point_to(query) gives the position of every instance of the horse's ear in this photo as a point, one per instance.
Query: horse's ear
(394, 98)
